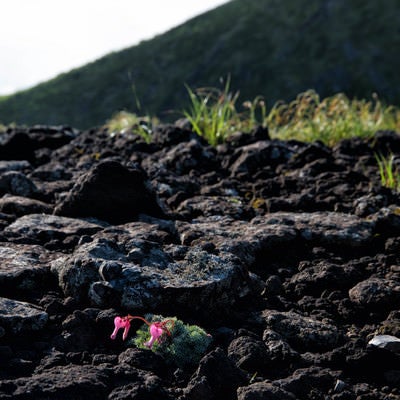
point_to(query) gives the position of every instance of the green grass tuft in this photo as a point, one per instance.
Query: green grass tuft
(308, 118)
(214, 115)
(388, 171)
(129, 123)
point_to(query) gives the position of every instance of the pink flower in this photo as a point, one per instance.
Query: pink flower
(121, 322)
(156, 331)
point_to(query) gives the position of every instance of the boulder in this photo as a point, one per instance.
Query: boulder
(20, 317)
(273, 233)
(110, 192)
(388, 342)
(301, 332)
(42, 228)
(20, 206)
(65, 382)
(206, 382)
(25, 269)
(252, 157)
(18, 184)
(376, 292)
(199, 282)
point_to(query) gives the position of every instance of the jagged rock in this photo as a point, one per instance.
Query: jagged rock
(182, 158)
(253, 224)
(170, 135)
(144, 360)
(20, 206)
(314, 278)
(215, 205)
(199, 281)
(271, 234)
(391, 326)
(146, 386)
(252, 157)
(280, 354)
(262, 391)
(387, 342)
(18, 184)
(249, 354)
(376, 292)
(20, 317)
(50, 172)
(309, 382)
(206, 383)
(61, 382)
(111, 192)
(79, 331)
(302, 332)
(369, 204)
(41, 228)
(25, 269)
(19, 165)
(387, 221)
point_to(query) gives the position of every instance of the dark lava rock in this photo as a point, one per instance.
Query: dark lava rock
(207, 383)
(251, 157)
(263, 391)
(20, 206)
(303, 332)
(110, 192)
(200, 282)
(249, 354)
(376, 292)
(18, 184)
(21, 143)
(287, 253)
(21, 317)
(45, 229)
(144, 360)
(25, 270)
(61, 382)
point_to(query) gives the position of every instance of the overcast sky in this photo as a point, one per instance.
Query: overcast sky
(41, 38)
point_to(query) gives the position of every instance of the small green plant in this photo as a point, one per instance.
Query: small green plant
(389, 173)
(125, 122)
(184, 347)
(308, 118)
(213, 113)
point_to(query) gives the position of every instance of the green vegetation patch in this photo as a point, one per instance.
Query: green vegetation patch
(308, 118)
(388, 171)
(185, 346)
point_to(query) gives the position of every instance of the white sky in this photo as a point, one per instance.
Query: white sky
(41, 38)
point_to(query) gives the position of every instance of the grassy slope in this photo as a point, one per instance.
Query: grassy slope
(276, 48)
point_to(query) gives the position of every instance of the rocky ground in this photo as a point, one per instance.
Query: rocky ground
(286, 253)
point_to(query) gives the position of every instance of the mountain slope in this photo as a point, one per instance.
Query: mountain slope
(274, 48)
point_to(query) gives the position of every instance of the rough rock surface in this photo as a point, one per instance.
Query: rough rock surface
(20, 317)
(287, 253)
(111, 192)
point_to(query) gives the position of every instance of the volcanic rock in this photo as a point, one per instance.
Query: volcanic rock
(387, 342)
(25, 270)
(286, 253)
(110, 192)
(20, 317)
(20, 206)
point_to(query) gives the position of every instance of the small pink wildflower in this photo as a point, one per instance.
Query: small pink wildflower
(157, 329)
(119, 323)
